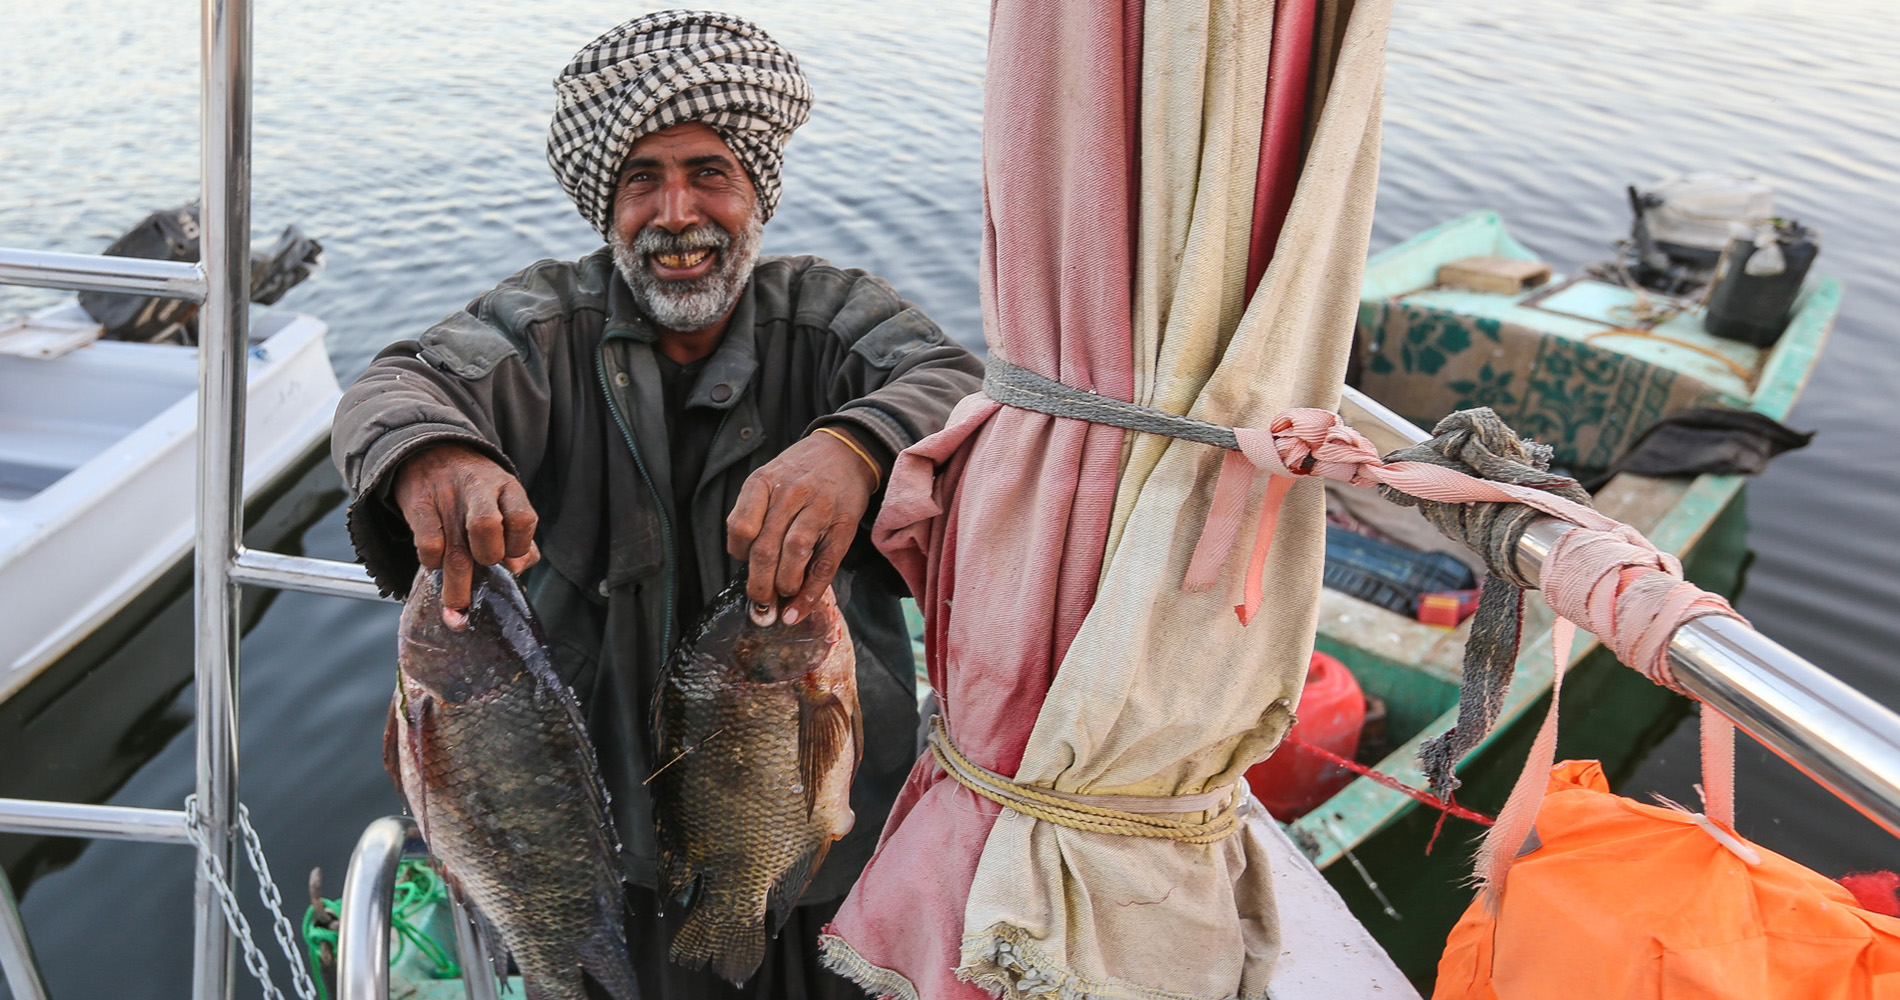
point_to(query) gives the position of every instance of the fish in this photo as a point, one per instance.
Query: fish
(488, 746)
(757, 738)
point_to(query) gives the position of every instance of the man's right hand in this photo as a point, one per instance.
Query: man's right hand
(465, 511)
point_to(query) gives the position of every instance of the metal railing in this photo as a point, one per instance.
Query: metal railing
(362, 947)
(221, 283)
(1842, 739)
(84, 272)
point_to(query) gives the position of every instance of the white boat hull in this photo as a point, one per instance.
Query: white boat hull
(116, 424)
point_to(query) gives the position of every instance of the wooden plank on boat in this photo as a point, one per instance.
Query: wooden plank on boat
(1498, 275)
(44, 338)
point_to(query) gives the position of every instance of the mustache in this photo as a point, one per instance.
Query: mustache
(654, 240)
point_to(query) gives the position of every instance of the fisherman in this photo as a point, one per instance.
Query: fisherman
(643, 424)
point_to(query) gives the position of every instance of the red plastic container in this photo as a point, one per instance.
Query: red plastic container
(1332, 711)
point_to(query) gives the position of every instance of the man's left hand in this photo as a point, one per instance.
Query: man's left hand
(795, 518)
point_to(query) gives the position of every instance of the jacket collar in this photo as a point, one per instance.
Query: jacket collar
(731, 366)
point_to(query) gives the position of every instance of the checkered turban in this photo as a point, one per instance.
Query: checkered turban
(660, 70)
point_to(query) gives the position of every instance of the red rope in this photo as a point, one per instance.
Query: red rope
(1450, 808)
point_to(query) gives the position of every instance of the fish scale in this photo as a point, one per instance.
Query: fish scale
(487, 745)
(748, 717)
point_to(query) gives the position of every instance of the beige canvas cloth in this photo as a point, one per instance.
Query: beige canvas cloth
(1164, 692)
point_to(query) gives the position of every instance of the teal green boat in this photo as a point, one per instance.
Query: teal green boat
(1584, 365)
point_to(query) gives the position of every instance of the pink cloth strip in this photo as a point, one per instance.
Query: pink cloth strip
(1601, 574)
(1311, 442)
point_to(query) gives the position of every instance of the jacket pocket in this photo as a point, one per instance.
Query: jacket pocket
(464, 345)
(637, 548)
(889, 342)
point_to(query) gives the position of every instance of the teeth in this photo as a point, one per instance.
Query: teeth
(682, 260)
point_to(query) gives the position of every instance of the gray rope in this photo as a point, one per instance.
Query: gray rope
(1479, 443)
(1020, 387)
(1476, 442)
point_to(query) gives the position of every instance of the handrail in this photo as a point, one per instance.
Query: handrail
(85, 272)
(222, 284)
(79, 819)
(363, 918)
(315, 576)
(1841, 738)
(362, 933)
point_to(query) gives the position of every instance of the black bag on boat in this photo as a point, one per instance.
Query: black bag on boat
(1705, 439)
(173, 235)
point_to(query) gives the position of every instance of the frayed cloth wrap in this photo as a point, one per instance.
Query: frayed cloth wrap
(662, 70)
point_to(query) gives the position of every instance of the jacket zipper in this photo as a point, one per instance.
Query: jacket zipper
(666, 524)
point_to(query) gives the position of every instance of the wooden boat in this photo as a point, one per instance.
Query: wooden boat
(98, 465)
(1583, 365)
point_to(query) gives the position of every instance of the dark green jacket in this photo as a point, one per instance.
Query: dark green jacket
(553, 375)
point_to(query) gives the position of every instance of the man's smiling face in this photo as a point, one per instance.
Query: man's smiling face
(686, 226)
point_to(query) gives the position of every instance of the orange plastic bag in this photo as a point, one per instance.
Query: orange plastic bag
(1624, 900)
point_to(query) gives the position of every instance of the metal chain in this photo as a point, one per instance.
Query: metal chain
(267, 891)
(213, 868)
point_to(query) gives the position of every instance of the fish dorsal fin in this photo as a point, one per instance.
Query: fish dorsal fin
(549, 687)
(826, 730)
(791, 885)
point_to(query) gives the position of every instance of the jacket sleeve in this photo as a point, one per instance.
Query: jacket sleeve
(479, 378)
(891, 377)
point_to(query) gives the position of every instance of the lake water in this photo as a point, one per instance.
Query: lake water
(408, 138)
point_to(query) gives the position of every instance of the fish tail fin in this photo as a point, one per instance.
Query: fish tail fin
(733, 949)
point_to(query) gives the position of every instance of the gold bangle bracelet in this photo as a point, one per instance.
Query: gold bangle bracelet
(877, 474)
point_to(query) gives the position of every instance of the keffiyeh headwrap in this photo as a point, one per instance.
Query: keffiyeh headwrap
(659, 70)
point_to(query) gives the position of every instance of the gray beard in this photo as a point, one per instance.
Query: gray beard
(685, 306)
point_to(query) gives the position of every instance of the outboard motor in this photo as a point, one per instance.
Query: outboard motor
(1682, 223)
(173, 235)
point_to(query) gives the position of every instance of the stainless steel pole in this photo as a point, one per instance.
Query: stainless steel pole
(83, 272)
(226, 170)
(17, 960)
(78, 819)
(1834, 734)
(478, 967)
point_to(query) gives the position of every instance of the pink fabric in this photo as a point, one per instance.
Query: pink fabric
(1281, 131)
(1505, 840)
(1003, 599)
(1602, 574)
